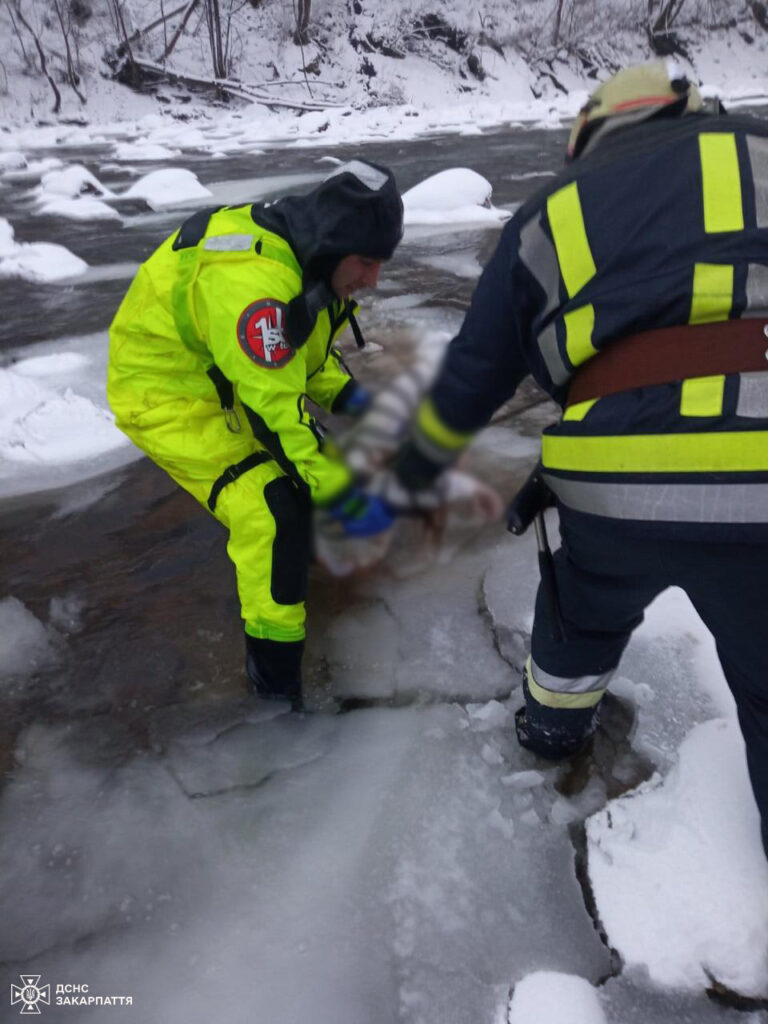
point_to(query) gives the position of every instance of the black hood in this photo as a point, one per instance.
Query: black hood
(356, 210)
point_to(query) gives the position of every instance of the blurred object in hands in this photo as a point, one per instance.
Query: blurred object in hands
(379, 432)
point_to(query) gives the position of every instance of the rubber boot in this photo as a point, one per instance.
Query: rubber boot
(553, 733)
(273, 668)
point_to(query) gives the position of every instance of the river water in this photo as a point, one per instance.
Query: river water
(129, 570)
(145, 567)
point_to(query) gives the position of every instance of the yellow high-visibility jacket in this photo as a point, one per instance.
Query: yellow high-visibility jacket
(216, 297)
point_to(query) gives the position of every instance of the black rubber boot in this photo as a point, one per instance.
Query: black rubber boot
(554, 742)
(554, 733)
(273, 668)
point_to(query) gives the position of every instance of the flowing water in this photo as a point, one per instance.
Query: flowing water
(133, 575)
(145, 568)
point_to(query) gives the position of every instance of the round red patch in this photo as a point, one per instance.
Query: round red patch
(261, 333)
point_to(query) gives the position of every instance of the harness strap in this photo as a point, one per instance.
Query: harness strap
(671, 354)
(193, 228)
(359, 339)
(226, 393)
(234, 472)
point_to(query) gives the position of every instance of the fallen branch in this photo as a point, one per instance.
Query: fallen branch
(134, 36)
(239, 90)
(179, 29)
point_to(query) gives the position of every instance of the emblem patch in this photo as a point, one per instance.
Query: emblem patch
(260, 331)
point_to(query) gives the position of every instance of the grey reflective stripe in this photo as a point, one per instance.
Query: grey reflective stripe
(228, 243)
(539, 256)
(667, 503)
(373, 178)
(550, 352)
(571, 684)
(758, 158)
(753, 394)
(757, 290)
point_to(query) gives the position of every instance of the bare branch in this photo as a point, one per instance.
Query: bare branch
(72, 76)
(41, 55)
(179, 29)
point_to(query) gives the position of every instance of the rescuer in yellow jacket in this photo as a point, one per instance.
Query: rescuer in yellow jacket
(226, 331)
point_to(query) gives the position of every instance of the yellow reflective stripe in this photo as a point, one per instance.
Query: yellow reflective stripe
(579, 324)
(551, 699)
(712, 293)
(739, 451)
(580, 410)
(566, 222)
(430, 424)
(280, 253)
(702, 396)
(269, 631)
(720, 182)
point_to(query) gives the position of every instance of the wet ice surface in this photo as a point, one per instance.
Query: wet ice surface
(390, 856)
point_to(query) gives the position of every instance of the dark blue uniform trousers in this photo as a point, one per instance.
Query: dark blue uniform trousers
(607, 576)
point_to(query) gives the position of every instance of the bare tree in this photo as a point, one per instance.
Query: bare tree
(558, 19)
(16, 12)
(213, 20)
(666, 12)
(301, 10)
(170, 44)
(73, 76)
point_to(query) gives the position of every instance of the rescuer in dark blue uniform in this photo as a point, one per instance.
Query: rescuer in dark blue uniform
(634, 288)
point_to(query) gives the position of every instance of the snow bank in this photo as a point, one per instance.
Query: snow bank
(25, 643)
(456, 196)
(78, 209)
(165, 188)
(70, 182)
(41, 423)
(678, 871)
(29, 171)
(75, 193)
(36, 261)
(548, 997)
(143, 150)
(12, 161)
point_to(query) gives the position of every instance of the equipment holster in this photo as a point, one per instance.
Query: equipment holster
(527, 507)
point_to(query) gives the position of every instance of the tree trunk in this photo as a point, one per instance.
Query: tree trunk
(300, 36)
(41, 55)
(213, 18)
(72, 76)
(667, 14)
(558, 20)
(180, 28)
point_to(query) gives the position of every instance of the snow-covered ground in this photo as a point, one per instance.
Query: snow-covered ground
(395, 863)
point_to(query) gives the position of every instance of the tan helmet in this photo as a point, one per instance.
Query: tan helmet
(633, 94)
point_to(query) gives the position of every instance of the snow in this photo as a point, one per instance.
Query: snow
(71, 181)
(457, 196)
(143, 151)
(547, 997)
(78, 209)
(166, 188)
(26, 645)
(55, 426)
(664, 845)
(405, 862)
(35, 261)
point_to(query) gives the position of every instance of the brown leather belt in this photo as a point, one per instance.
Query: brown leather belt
(670, 354)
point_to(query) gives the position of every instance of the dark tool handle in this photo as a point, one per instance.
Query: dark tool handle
(533, 497)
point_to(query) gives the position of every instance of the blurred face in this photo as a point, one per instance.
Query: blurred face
(354, 273)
